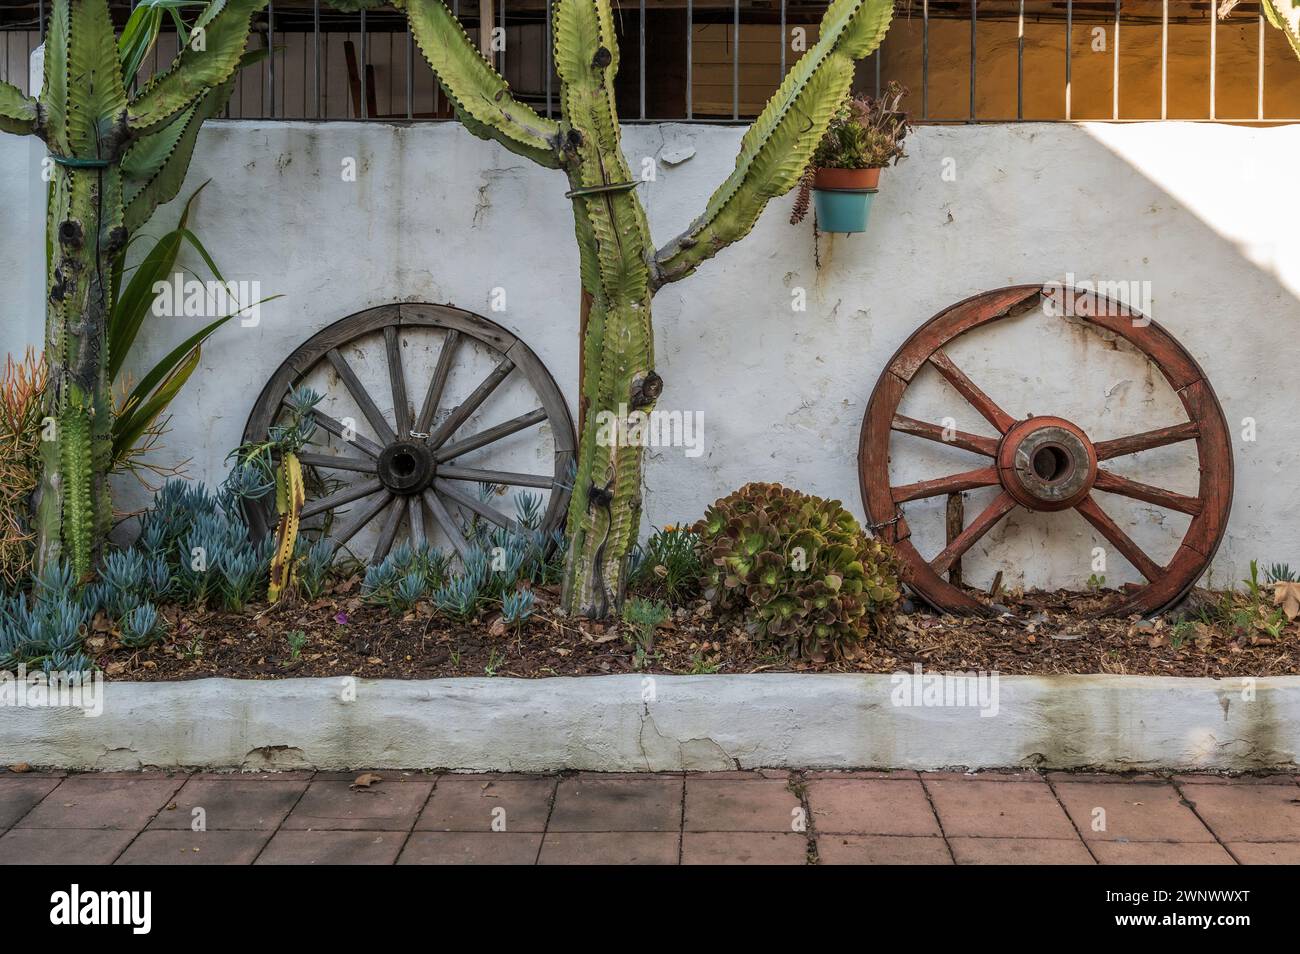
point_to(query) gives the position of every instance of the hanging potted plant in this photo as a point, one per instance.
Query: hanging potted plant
(865, 136)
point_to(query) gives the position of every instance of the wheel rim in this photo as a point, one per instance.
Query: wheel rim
(407, 465)
(1046, 464)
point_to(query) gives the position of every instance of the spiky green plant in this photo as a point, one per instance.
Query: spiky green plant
(116, 157)
(1285, 15)
(620, 268)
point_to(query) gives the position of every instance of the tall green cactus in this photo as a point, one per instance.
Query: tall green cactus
(116, 158)
(620, 268)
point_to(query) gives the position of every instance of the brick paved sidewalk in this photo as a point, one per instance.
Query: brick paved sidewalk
(735, 817)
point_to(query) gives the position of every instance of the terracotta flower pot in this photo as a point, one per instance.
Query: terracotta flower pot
(835, 179)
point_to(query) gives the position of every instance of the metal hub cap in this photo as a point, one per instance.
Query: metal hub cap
(1046, 463)
(406, 467)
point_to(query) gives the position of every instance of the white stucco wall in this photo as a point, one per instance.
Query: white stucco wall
(436, 215)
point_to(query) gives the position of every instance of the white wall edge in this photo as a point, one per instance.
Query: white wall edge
(691, 723)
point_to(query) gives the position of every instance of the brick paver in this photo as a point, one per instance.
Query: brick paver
(751, 817)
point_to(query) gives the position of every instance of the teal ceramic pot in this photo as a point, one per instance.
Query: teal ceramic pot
(843, 210)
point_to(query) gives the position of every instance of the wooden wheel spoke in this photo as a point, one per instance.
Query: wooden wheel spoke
(495, 433)
(988, 446)
(389, 533)
(470, 502)
(1146, 440)
(1122, 542)
(397, 378)
(981, 525)
(442, 517)
(471, 403)
(360, 519)
(497, 477)
(415, 516)
(359, 394)
(967, 480)
(971, 392)
(335, 427)
(333, 462)
(1115, 484)
(438, 382)
(362, 488)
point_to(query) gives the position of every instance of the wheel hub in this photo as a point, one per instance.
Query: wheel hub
(406, 467)
(1047, 463)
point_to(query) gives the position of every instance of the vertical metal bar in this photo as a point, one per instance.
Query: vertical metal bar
(270, 51)
(925, 59)
(547, 58)
(410, 72)
(876, 56)
(1069, 36)
(1214, 58)
(735, 59)
(501, 21)
(1114, 67)
(315, 23)
(1164, 59)
(785, 40)
(690, 59)
(365, 106)
(40, 12)
(641, 56)
(974, 14)
(1259, 109)
(1020, 62)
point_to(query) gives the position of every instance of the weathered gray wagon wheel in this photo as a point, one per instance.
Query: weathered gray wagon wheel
(410, 464)
(1046, 463)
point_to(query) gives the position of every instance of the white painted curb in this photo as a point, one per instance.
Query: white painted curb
(635, 723)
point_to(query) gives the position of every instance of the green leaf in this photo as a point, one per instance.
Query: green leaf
(17, 111)
(134, 420)
(482, 98)
(223, 28)
(777, 147)
(142, 28)
(1285, 15)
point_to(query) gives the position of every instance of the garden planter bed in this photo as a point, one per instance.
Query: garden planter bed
(1047, 633)
(705, 723)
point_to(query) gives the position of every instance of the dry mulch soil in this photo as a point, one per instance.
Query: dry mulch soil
(341, 635)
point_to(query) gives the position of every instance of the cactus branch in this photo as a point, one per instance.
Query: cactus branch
(777, 147)
(18, 112)
(211, 58)
(481, 96)
(1285, 15)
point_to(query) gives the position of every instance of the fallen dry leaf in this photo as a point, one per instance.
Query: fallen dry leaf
(1287, 595)
(20, 767)
(366, 779)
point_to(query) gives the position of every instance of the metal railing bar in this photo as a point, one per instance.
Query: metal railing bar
(365, 58)
(785, 40)
(1260, 106)
(1214, 54)
(1114, 109)
(641, 56)
(1164, 59)
(925, 59)
(974, 16)
(410, 73)
(690, 58)
(1069, 42)
(735, 59)
(270, 53)
(546, 58)
(1020, 62)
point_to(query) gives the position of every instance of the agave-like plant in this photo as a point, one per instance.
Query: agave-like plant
(1285, 15)
(621, 269)
(116, 156)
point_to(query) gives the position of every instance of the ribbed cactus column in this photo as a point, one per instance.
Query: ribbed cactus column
(114, 160)
(621, 270)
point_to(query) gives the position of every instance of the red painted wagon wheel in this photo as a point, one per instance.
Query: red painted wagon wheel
(1046, 463)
